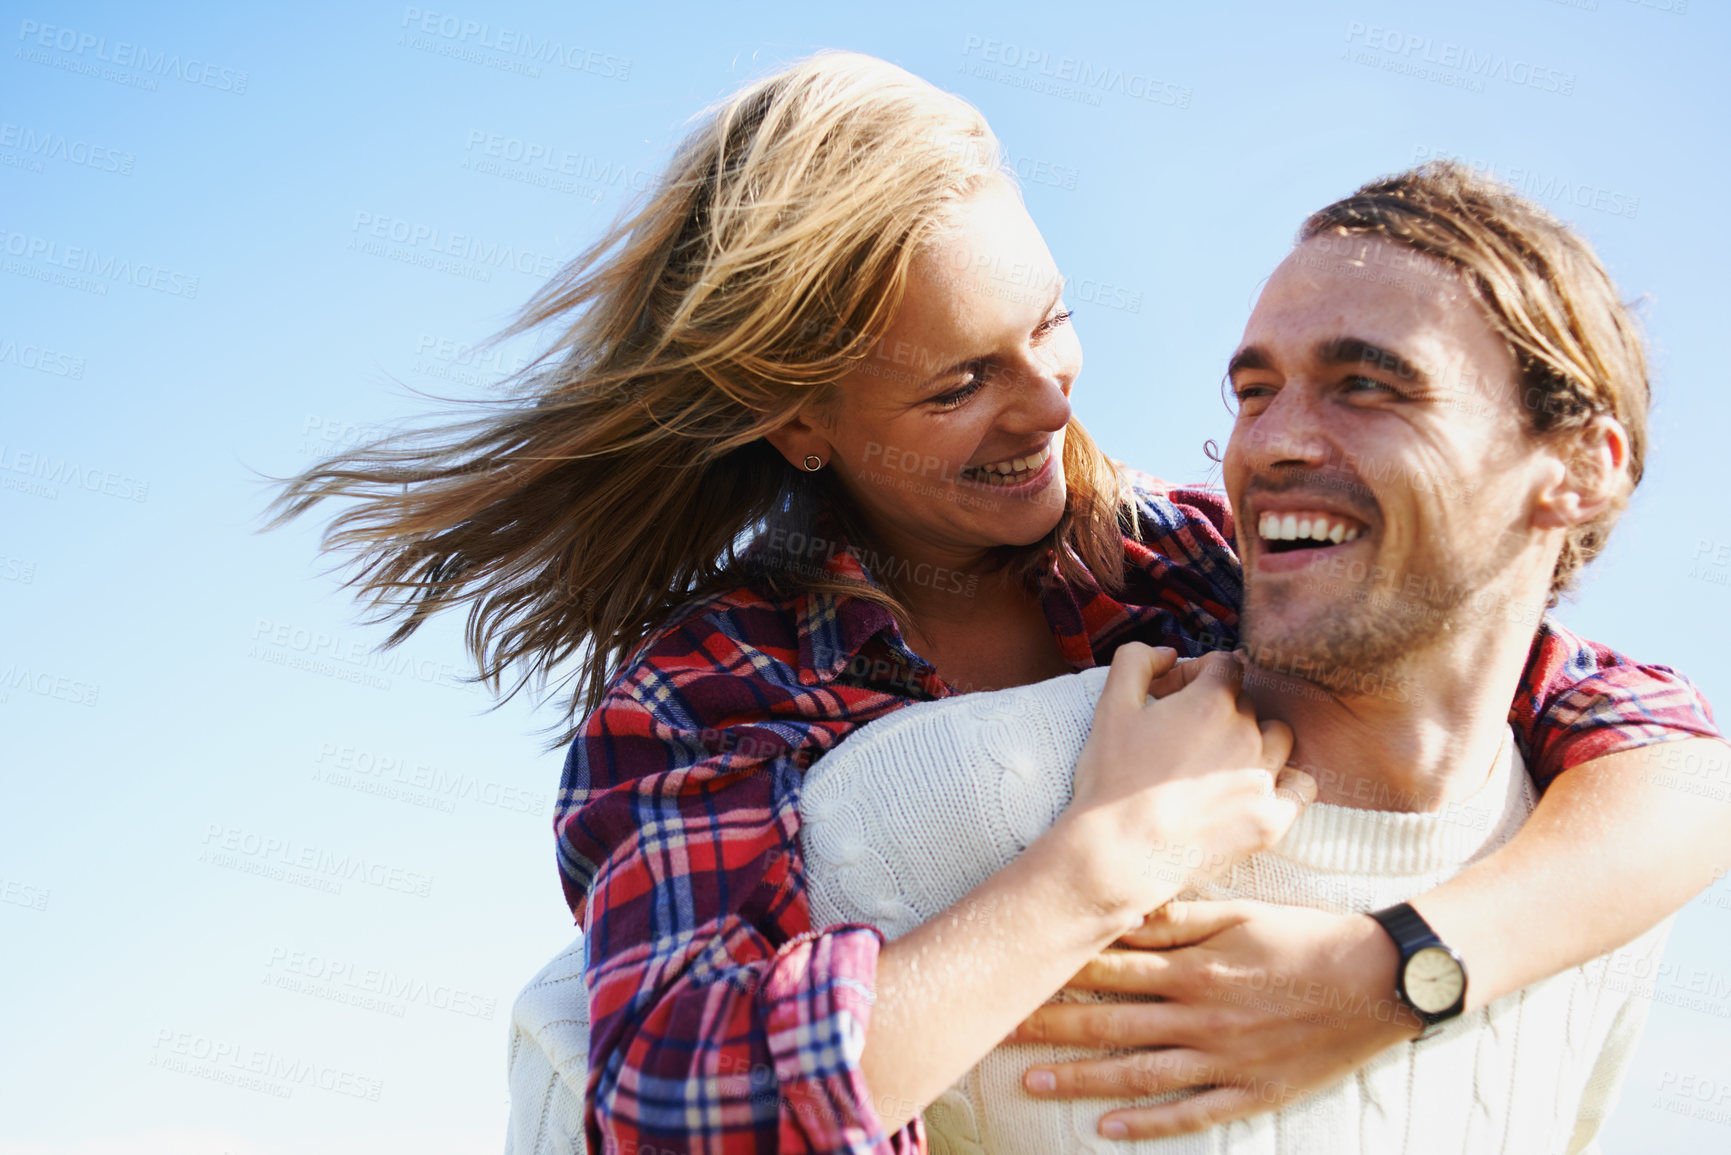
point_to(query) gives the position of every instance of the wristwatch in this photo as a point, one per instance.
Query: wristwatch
(1430, 978)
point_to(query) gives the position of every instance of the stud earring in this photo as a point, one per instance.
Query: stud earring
(813, 463)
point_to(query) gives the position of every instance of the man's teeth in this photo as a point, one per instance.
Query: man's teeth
(1011, 471)
(1306, 527)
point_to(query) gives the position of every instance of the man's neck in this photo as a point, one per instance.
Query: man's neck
(1424, 737)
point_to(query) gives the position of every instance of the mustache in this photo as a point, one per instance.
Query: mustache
(1341, 488)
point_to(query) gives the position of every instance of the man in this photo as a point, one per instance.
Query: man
(1441, 411)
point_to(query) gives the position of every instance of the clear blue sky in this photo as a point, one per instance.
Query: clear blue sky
(190, 286)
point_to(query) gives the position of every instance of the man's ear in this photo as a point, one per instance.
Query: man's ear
(1593, 478)
(801, 437)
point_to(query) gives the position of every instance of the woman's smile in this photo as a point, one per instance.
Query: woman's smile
(1011, 471)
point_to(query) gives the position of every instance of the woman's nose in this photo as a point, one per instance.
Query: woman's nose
(1042, 399)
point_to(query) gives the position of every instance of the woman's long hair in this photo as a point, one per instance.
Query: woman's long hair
(627, 472)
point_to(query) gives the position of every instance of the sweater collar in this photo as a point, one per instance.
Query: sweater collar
(1342, 839)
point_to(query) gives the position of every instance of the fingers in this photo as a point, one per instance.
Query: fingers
(1276, 745)
(1180, 924)
(1292, 791)
(1196, 1112)
(1126, 971)
(1208, 682)
(1121, 1076)
(1134, 666)
(1171, 681)
(1295, 784)
(1110, 1025)
(1225, 666)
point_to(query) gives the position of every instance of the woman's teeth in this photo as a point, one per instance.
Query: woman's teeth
(1309, 526)
(1012, 471)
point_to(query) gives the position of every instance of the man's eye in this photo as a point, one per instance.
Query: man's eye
(1250, 395)
(1361, 384)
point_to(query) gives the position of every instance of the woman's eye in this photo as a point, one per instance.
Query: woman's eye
(1057, 320)
(977, 373)
(955, 398)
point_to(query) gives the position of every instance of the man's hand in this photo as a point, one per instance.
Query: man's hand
(1264, 1004)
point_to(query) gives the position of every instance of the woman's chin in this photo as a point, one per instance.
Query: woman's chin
(1020, 522)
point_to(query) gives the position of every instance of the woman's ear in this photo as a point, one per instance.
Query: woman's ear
(1594, 476)
(803, 437)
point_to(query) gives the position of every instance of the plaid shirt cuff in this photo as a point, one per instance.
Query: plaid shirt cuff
(817, 998)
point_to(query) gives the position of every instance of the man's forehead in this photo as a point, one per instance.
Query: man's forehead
(1388, 296)
(1367, 274)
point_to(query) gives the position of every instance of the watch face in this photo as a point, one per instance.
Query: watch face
(1434, 980)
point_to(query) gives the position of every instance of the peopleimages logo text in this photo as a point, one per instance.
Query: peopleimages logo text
(106, 267)
(124, 55)
(1087, 77)
(515, 42)
(52, 146)
(1467, 62)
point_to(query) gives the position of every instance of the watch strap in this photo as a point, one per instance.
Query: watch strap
(1411, 933)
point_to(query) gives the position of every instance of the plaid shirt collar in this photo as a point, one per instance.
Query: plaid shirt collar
(835, 628)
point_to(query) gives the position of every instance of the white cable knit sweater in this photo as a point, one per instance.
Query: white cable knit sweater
(548, 1059)
(914, 810)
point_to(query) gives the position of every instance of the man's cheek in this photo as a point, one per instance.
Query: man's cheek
(1232, 469)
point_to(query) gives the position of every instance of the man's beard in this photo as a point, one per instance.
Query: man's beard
(1359, 637)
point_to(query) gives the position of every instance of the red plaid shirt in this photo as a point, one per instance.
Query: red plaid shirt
(721, 1020)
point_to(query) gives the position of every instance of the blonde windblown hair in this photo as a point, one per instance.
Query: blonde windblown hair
(627, 473)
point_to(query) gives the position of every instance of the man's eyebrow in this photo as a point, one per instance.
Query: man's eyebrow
(1357, 351)
(1057, 294)
(1249, 357)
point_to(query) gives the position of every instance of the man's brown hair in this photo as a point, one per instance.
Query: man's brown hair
(1577, 347)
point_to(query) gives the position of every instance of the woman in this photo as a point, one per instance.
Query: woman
(802, 455)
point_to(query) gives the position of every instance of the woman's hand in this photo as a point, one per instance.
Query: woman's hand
(1165, 791)
(1169, 792)
(1264, 1004)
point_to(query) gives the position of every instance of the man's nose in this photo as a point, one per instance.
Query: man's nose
(1293, 430)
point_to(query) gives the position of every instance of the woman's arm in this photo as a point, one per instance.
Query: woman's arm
(1617, 843)
(1614, 847)
(712, 999)
(949, 990)
(713, 1008)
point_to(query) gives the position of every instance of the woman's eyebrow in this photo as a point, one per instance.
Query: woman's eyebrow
(1057, 295)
